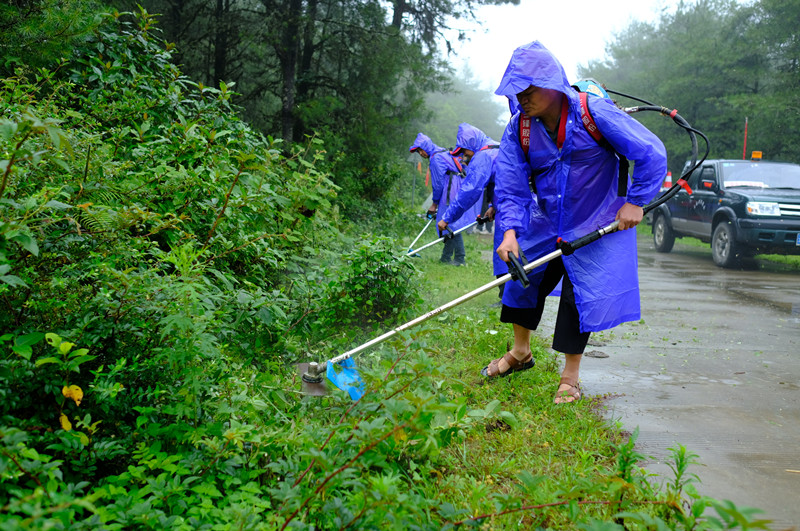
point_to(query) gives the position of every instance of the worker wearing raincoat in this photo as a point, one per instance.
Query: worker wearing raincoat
(566, 186)
(447, 175)
(480, 152)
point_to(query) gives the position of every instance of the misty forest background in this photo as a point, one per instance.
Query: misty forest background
(195, 194)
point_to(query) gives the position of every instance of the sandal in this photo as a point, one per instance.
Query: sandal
(574, 391)
(514, 365)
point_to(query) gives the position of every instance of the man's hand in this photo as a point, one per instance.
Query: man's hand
(490, 213)
(629, 216)
(431, 213)
(442, 225)
(508, 245)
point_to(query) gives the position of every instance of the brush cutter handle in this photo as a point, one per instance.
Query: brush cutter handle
(516, 270)
(483, 219)
(441, 309)
(449, 234)
(567, 248)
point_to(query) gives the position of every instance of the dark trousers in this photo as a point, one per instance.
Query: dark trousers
(453, 250)
(567, 336)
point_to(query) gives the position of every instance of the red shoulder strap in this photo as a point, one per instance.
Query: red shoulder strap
(524, 133)
(458, 164)
(586, 118)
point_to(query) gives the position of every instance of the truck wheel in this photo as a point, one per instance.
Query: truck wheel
(663, 237)
(723, 246)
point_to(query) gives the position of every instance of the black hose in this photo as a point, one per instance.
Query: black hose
(569, 247)
(681, 122)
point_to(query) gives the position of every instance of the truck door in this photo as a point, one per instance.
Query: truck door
(682, 205)
(704, 201)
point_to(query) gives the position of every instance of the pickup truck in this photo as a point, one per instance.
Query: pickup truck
(740, 207)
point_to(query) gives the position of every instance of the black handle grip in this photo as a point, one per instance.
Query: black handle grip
(449, 234)
(567, 248)
(516, 270)
(483, 219)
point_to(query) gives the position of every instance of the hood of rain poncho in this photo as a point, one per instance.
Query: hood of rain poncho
(424, 143)
(532, 64)
(470, 137)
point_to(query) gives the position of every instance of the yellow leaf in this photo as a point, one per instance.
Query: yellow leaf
(65, 347)
(400, 436)
(65, 423)
(74, 392)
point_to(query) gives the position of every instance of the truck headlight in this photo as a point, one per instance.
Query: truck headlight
(759, 208)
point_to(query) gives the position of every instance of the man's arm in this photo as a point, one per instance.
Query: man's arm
(639, 145)
(479, 172)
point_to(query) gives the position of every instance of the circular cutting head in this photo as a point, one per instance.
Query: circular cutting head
(311, 379)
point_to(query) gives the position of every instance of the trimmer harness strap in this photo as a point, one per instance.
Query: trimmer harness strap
(591, 127)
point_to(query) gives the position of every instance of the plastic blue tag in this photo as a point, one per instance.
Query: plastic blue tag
(348, 379)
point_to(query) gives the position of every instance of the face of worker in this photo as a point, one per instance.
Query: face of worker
(422, 153)
(466, 155)
(537, 101)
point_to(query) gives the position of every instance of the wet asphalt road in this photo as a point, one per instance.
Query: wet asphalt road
(715, 366)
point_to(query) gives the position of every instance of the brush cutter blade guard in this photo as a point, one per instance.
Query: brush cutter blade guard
(311, 381)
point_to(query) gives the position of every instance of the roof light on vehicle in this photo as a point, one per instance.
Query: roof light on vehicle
(758, 208)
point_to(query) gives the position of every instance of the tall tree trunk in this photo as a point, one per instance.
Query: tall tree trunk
(290, 48)
(304, 75)
(220, 40)
(397, 16)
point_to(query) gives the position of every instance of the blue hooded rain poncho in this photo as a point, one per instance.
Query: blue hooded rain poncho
(480, 173)
(576, 191)
(446, 179)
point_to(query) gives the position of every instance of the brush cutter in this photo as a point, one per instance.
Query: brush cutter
(431, 217)
(312, 375)
(449, 233)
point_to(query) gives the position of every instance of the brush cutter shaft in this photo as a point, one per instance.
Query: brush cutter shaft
(580, 242)
(411, 247)
(442, 309)
(434, 242)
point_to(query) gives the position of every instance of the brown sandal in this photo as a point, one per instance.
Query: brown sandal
(514, 365)
(574, 391)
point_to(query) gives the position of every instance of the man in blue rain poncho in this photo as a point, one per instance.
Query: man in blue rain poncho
(554, 180)
(479, 152)
(446, 178)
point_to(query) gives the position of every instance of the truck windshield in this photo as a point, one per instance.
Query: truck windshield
(754, 174)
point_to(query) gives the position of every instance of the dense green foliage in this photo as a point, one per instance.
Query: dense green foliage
(718, 62)
(162, 266)
(38, 32)
(353, 74)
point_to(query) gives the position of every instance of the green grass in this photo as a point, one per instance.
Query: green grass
(558, 448)
(565, 463)
(519, 460)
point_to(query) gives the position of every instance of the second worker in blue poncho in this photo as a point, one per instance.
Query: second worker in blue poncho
(554, 180)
